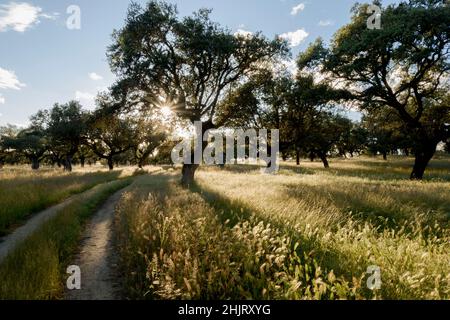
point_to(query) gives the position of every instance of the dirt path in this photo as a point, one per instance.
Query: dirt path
(97, 259)
(11, 241)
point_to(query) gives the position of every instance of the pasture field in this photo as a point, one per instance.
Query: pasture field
(306, 233)
(24, 192)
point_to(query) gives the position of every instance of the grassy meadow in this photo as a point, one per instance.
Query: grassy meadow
(24, 192)
(306, 233)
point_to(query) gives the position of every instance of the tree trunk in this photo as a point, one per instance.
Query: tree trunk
(406, 151)
(141, 162)
(189, 170)
(68, 164)
(188, 174)
(297, 157)
(385, 156)
(110, 163)
(324, 159)
(312, 157)
(82, 161)
(35, 163)
(423, 158)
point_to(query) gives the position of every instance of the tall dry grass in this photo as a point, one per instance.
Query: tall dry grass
(173, 245)
(350, 222)
(24, 192)
(302, 234)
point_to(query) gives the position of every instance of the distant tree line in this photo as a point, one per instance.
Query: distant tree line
(66, 134)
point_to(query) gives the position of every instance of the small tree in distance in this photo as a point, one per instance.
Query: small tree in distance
(64, 126)
(109, 136)
(31, 143)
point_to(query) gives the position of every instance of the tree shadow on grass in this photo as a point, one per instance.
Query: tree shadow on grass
(374, 169)
(297, 170)
(310, 248)
(346, 263)
(382, 215)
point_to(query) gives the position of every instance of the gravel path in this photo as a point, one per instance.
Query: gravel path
(97, 259)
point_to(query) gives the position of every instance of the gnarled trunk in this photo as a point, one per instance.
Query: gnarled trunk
(141, 163)
(324, 159)
(188, 174)
(423, 158)
(35, 163)
(110, 163)
(68, 164)
(189, 170)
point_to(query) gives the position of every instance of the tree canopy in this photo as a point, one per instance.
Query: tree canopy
(404, 65)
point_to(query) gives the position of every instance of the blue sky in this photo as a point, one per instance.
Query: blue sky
(43, 62)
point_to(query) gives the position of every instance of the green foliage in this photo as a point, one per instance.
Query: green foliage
(387, 133)
(190, 61)
(32, 143)
(150, 135)
(404, 65)
(109, 136)
(353, 140)
(64, 126)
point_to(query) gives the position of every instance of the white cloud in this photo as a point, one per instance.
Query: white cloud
(8, 80)
(298, 8)
(295, 38)
(86, 99)
(21, 16)
(94, 76)
(325, 23)
(52, 16)
(2, 99)
(243, 33)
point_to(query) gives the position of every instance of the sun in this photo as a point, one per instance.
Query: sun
(166, 112)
